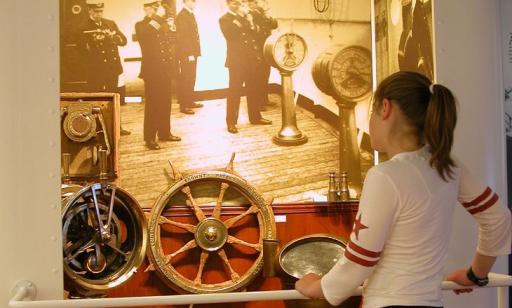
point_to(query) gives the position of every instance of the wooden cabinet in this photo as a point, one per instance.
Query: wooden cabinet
(292, 221)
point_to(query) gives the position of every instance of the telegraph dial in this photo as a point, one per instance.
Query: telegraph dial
(286, 52)
(345, 72)
(351, 73)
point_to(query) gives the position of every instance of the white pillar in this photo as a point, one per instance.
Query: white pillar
(468, 60)
(29, 158)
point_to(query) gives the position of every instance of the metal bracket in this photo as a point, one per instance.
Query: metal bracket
(24, 290)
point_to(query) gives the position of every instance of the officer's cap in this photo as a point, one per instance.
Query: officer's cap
(95, 4)
(151, 3)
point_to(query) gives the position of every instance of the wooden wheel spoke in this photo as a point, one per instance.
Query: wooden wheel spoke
(188, 246)
(192, 203)
(164, 221)
(230, 222)
(234, 275)
(218, 205)
(202, 262)
(234, 240)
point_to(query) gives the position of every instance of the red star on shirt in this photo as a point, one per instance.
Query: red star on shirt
(358, 226)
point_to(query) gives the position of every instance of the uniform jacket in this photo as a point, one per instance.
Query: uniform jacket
(187, 35)
(265, 23)
(101, 50)
(242, 46)
(156, 43)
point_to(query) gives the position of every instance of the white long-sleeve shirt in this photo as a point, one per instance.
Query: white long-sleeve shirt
(401, 233)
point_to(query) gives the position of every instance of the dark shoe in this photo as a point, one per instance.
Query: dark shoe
(196, 105)
(262, 121)
(152, 145)
(125, 132)
(187, 111)
(171, 138)
(232, 129)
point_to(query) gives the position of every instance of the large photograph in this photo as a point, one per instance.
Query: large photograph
(285, 87)
(200, 131)
(403, 34)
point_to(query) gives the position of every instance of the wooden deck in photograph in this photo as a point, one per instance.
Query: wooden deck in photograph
(287, 174)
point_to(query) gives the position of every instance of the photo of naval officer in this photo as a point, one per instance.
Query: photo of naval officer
(188, 49)
(243, 57)
(154, 34)
(99, 41)
(266, 24)
(415, 47)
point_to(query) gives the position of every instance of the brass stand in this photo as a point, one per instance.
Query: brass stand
(289, 134)
(350, 157)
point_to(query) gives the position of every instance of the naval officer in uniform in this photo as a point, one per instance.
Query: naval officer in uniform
(242, 59)
(154, 34)
(188, 49)
(100, 42)
(266, 24)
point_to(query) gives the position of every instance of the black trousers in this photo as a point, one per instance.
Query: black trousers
(103, 82)
(238, 76)
(262, 90)
(157, 109)
(187, 83)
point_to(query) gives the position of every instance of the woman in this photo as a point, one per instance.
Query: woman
(401, 233)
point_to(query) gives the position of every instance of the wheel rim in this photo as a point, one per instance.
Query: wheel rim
(212, 236)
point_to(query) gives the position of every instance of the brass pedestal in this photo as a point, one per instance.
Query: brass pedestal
(289, 134)
(350, 157)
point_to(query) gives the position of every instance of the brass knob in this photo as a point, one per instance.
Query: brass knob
(211, 234)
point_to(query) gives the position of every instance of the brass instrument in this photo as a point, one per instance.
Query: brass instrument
(211, 237)
(287, 52)
(104, 234)
(345, 73)
(90, 122)
(315, 253)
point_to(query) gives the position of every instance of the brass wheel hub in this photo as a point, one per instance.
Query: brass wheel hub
(211, 234)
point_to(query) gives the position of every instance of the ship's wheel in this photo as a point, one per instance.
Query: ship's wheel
(219, 248)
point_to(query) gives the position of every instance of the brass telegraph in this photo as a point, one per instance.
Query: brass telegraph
(287, 52)
(345, 73)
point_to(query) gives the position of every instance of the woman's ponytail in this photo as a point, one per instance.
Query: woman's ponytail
(430, 109)
(440, 121)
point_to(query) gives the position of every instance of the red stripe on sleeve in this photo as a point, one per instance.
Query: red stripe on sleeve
(360, 261)
(484, 207)
(365, 252)
(479, 199)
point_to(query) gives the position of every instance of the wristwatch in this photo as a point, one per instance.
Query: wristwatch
(481, 282)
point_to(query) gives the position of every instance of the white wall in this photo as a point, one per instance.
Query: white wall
(467, 37)
(29, 158)
(506, 36)
(468, 61)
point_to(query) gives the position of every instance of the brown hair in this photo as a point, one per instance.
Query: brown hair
(430, 108)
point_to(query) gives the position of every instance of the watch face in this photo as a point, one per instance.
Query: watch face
(351, 73)
(290, 51)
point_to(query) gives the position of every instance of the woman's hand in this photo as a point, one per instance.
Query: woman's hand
(460, 277)
(309, 286)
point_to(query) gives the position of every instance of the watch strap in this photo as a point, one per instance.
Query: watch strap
(476, 280)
